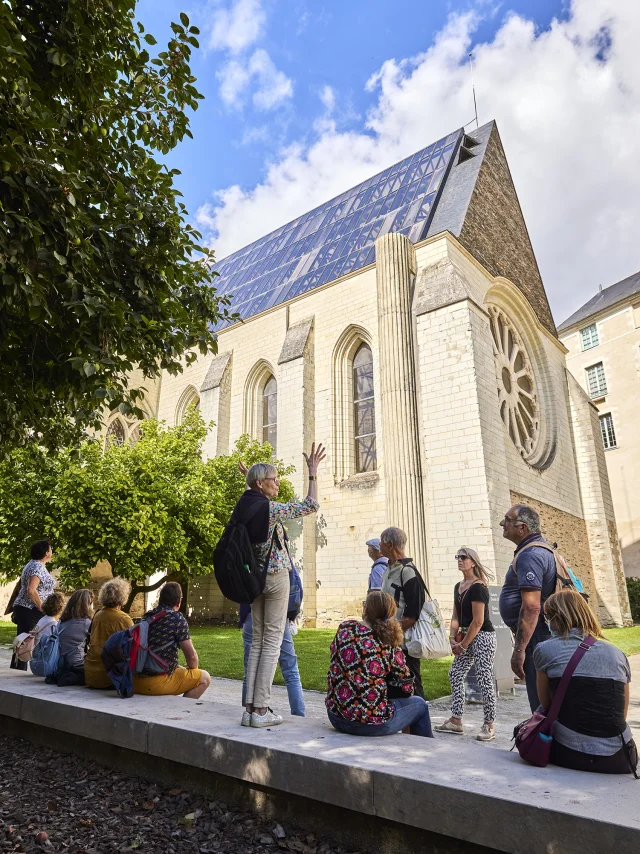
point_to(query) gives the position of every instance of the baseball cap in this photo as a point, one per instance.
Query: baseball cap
(374, 543)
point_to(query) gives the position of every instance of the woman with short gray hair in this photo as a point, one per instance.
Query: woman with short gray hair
(263, 517)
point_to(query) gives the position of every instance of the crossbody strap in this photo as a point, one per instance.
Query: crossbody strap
(418, 576)
(583, 647)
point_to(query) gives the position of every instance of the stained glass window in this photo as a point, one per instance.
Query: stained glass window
(608, 433)
(270, 413)
(364, 415)
(115, 433)
(338, 237)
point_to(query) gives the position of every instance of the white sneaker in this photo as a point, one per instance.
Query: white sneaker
(268, 719)
(487, 732)
(246, 719)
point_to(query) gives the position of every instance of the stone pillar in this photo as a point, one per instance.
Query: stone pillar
(296, 429)
(395, 271)
(612, 604)
(215, 405)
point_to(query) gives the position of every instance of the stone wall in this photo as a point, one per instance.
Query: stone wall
(495, 232)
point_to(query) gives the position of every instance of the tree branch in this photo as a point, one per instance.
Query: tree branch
(143, 588)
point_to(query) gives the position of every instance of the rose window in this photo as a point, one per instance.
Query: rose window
(517, 395)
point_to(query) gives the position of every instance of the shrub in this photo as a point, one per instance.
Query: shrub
(633, 586)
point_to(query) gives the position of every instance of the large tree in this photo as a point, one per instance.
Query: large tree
(100, 269)
(149, 508)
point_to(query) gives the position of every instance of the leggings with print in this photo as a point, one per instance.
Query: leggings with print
(481, 652)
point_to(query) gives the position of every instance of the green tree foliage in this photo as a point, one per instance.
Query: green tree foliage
(153, 507)
(633, 586)
(100, 270)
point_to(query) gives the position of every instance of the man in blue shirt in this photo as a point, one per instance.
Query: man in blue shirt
(379, 564)
(525, 590)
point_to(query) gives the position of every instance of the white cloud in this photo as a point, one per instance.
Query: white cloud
(567, 103)
(272, 86)
(328, 98)
(237, 26)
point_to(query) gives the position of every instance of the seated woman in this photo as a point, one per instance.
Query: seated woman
(52, 607)
(108, 620)
(591, 733)
(367, 667)
(73, 633)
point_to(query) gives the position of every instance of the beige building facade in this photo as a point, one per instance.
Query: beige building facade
(603, 343)
(433, 373)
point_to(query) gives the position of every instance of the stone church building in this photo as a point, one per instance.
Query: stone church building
(405, 325)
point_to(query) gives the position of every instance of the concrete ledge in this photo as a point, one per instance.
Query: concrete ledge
(464, 792)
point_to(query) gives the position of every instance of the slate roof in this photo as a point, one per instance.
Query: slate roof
(605, 298)
(338, 236)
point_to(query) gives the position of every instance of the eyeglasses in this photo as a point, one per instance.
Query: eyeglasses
(274, 479)
(509, 521)
(463, 557)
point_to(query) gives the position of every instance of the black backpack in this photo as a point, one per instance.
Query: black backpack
(240, 576)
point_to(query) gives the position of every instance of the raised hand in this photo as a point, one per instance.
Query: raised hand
(242, 468)
(314, 458)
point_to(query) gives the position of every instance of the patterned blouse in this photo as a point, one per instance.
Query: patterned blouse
(45, 585)
(279, 513)
(358, 674)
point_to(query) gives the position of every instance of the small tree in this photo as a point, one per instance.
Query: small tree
(101, 270)
(153, 507)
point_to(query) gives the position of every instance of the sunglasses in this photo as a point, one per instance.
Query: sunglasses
(462, 557)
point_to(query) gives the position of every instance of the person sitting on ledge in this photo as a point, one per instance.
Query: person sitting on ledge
(165, 636)
(108, 620)
(73, 632)
(591, 732)
(370, 687)
(52, 607)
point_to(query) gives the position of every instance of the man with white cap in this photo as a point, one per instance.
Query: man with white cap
(379, 564)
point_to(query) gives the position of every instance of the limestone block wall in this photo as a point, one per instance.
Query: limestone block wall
(618, 349)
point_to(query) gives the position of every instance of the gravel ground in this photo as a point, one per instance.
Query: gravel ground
(53, 802)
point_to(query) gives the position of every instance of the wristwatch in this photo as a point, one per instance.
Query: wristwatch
(312, 477)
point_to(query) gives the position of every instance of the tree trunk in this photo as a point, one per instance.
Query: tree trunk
(142, 588)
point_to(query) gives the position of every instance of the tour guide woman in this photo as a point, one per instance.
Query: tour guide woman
(367, 666)
(269, 610)
(36, 584)
(473, 641)
(591, 733)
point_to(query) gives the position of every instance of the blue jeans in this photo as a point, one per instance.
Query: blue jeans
(288, 662)
(408, 711)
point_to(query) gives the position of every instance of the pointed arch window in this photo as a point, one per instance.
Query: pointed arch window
(270, 412)
(115, 433)
(364, 410)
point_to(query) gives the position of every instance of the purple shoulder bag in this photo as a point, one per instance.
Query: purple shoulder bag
(533, 737)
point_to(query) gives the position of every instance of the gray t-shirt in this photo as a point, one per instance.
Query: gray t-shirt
(72, 636)
(603, 665)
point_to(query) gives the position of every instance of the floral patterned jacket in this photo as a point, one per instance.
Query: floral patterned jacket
(279, 513)
(359, 672)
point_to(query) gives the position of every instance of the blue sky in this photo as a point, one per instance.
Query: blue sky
(305, 99)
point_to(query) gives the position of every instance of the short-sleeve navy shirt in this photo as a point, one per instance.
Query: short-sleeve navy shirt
(171, 629)
(535, 570)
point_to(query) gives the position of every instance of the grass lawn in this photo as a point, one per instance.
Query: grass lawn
(220, 652)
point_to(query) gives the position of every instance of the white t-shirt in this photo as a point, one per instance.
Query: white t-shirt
(44, 627)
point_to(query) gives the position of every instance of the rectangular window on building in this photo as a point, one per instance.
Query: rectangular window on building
(589, 337)
(608, 433)
(596, 380)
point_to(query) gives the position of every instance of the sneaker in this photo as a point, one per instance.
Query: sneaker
(449, 726)
(487, 733)
(246, 719)
(268, 719)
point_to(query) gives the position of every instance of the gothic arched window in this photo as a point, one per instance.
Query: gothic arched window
(270, 412)
(115, 433)
(364, 410)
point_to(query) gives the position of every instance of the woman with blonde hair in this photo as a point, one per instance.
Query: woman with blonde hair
(473, 641)
(591, 732)
(368, 670)
(109, 620)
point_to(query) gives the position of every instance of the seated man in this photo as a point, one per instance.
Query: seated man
(165, 636)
